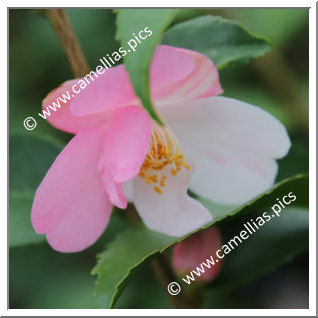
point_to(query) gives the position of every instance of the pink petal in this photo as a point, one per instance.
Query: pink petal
(62, 117)
(190, 253)
(110, 90)
(176, 75)
(172, 212)
(125, 146)
(201, 82)
(169, 65)
(113, 88)
(70, 205)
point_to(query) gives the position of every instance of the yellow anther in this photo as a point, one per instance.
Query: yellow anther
(158, 190)
(164, 151)
(174, 172)
(184, 164)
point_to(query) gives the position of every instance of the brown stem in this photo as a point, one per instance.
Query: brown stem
(163, 271)
(164, 274)
(68, 40)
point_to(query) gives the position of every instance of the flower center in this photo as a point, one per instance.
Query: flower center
(164, 151)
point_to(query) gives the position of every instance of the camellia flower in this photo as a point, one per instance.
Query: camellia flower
(224, 149)
(194, 252)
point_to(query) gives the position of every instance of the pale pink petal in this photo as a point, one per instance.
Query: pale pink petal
(196, 250)
(71, 206)
(233, 145)
(106, 92)
(61, 117)
(125, 146)
(169, 65)
(203, 81)
(173, 212)
(229, 177)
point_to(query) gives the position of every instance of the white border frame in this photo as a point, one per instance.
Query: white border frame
(312, 164)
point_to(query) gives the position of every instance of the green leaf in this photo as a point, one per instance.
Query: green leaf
(137, 63)
(225, 42)
(133, 246)
(30, 158)
(20, 228)
(282, 238)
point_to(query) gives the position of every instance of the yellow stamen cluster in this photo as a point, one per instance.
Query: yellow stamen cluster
(164, 151)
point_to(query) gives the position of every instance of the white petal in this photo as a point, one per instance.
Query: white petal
(128, 190)
(233, 146)
(231, 178)
(227, 122)
(173, 212)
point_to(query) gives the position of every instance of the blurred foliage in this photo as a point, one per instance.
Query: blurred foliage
(224, 41)
(277, 25)
(26, 151)
(20, 228)
(43, 278)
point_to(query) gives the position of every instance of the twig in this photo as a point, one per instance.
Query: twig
(68, 40)
(163, 271)
(164, 274)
